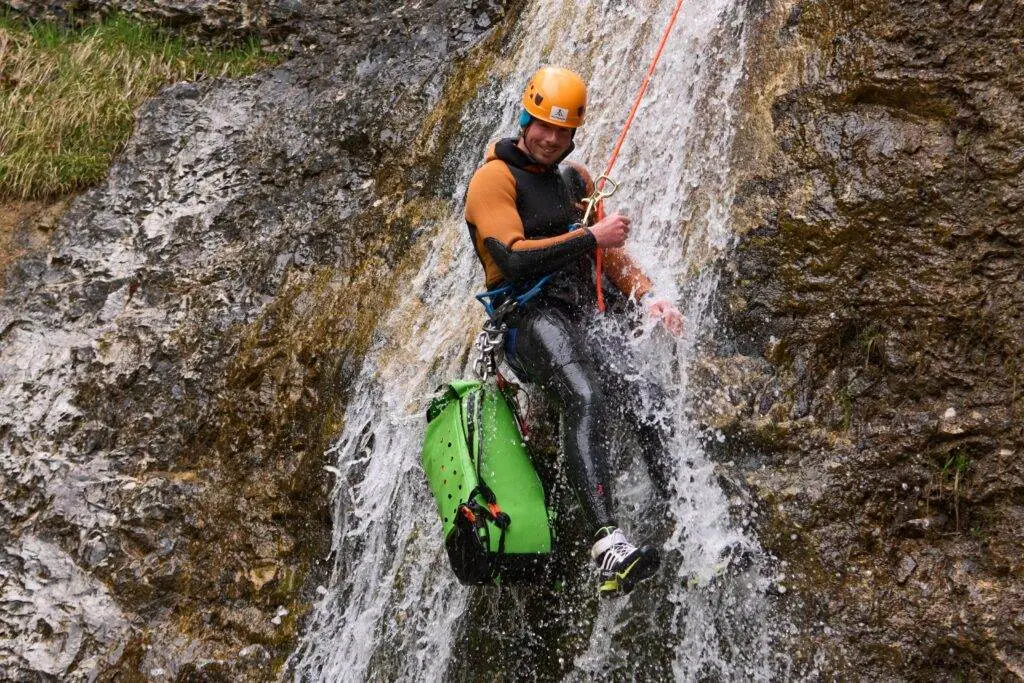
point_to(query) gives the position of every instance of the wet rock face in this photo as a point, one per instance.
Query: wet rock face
(871, 356)
(271, 20)
(172, 369)
(295, 24)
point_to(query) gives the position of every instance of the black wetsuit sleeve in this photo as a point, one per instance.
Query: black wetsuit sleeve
(499, 235)
(522, 265)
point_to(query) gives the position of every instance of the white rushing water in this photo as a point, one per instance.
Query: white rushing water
(392, 609)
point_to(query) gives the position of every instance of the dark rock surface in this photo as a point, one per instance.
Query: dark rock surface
(172, 369)
(868, 374)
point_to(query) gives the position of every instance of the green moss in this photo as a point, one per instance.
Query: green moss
(68, 95)
(845, 403)
(444, 122)
(957, 464)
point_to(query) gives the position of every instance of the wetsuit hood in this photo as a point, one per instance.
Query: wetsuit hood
(508, 151)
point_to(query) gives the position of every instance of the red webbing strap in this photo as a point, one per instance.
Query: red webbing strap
(599, 264)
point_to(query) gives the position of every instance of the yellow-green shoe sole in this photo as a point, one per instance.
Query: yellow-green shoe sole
(644, 567)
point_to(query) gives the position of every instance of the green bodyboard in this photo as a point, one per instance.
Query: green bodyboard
(450, 465)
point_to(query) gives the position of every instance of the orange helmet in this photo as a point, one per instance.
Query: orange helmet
(556, 95)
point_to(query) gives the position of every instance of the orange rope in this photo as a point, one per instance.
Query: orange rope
(599, 259)
(599, 263)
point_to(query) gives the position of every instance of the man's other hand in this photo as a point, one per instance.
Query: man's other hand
(669, 315)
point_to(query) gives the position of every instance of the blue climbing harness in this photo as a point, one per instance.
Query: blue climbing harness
(515, 300)
(498, 334)
(489, 297)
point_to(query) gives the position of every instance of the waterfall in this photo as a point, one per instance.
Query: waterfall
(392, 608)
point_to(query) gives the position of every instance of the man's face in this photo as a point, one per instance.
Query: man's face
(545, 142)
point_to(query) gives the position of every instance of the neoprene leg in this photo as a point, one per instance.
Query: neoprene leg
(552, 350)
(642, 404)
(585, 440)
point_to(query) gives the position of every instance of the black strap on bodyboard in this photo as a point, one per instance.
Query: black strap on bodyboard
(474, 436)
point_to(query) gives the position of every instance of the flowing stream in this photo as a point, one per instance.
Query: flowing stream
(392, 608)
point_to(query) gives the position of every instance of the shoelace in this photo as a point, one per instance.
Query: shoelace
(619, 551)
(616, 554)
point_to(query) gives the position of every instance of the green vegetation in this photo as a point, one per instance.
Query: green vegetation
(68, 96)
(957, 467)
(845, 402)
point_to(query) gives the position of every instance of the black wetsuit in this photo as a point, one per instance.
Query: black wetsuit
(556, 342)
(591, 372)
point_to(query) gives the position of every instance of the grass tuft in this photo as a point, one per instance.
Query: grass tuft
(68, 96)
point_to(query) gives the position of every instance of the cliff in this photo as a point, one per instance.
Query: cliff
(867, 371)
(175, 363)
(177, 360)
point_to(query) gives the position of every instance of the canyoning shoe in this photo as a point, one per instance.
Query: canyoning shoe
(621, 565)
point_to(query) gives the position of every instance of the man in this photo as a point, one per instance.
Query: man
(523, 210)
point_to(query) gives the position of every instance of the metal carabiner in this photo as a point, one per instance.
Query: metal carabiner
(600, 193)
(488, 342)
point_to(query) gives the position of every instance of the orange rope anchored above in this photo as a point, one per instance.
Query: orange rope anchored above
(599, 258)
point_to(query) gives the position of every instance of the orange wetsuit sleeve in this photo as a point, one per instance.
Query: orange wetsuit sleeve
(498, 233)
(626, 273)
